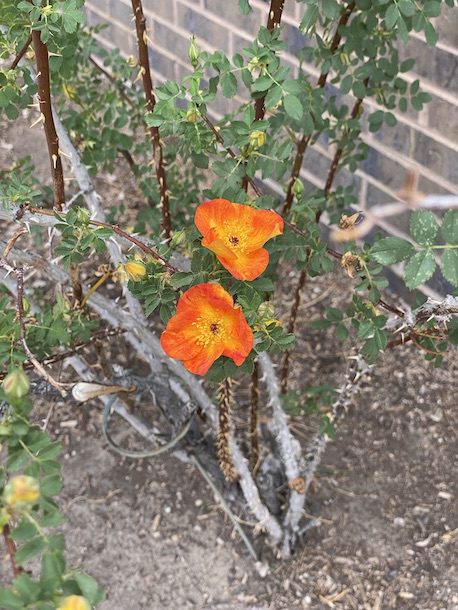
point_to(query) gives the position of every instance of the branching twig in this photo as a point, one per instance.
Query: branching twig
(44, 99)
(22, 51)
(143, 62)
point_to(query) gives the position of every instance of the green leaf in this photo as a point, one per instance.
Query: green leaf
(244, 7)
(71, 15)
(450, 227)
(89, 588)
(391, 16)
(419, 269)
(10, 601)
(309, 19)
(407, 8)
(449, 266)
(390, 250)
(228, 84)
(293, 107)
(30, 549)
(431, 35)
(180, 279)
(423, 227)
(51, 485)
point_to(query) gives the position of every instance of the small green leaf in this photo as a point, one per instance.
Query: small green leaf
(30, 549)
(89, 588)
(228, 84)
(390, 250)
(423, 227)
(407, 8)
(293, 107)
(10, 601)
(450, 227)
(244, 7)
(391, 16)
(419, 269)
(449, 266)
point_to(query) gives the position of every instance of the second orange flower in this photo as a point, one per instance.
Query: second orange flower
(236, 233)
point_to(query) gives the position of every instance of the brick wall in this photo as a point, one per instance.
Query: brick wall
(426, 140)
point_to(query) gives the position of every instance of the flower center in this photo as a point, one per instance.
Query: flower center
(209, 330)
(234, 240)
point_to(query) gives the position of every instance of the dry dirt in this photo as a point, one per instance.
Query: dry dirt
(153, 535)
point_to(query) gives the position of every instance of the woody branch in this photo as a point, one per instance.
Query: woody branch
(143, 61)
(44, 99)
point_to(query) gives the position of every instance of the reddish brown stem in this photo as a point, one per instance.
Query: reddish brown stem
(22, 51)
(304, 141)
(143, 62)
(273, 21)
(11, 550)
(254, 406)
(339, 152)
(290, 329)
(52, 140)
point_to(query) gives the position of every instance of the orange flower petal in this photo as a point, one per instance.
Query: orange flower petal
(206, 326)
(240, 341)
(236, 233)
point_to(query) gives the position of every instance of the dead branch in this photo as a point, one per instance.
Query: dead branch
(22, 51)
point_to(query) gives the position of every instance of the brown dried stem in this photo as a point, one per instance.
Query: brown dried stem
(22, 51)
(143, 62)
(284, 370)
(224, 430)
(254, 407)
(11, 549)
(304, 141)
(44, 99)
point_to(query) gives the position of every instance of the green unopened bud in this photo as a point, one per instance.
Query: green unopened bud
(178, 238)
(298, 187)
(16, 384)
(193, 53)
(21, 490)
(257, 138)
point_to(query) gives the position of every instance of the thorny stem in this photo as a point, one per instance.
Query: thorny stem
(11, 549)
(224, 430)
(143, 61)
(284, 370)
(67, 354)
(273, 21)
(254, 406)
(22, 51)
(304, 141)
(115, 228)
(338, 154)
(44, 99)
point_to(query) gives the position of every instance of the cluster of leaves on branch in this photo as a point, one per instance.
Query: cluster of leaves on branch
(274, 114)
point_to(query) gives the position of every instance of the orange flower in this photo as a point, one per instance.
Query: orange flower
(205, 327)
(236, 234)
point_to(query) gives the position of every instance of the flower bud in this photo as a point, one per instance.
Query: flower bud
(21, 490)
(74, 602)
(257, 138)
(298, 187)
(193, 53)
(192, 116)
(135, 270)
(16, 384)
